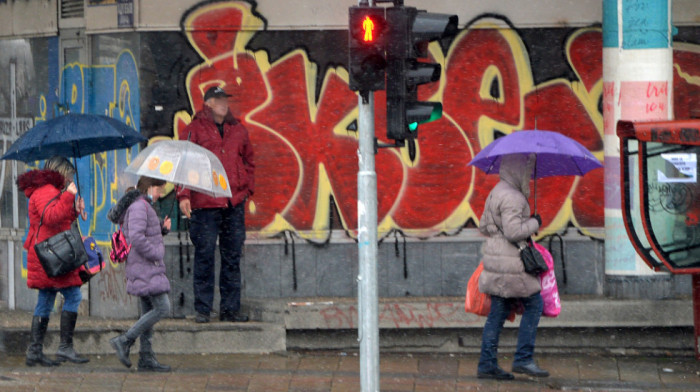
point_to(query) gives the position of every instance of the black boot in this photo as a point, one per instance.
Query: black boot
(149, 363)
(65, 349)
(35, 351)
(147, 358)
(121, 344)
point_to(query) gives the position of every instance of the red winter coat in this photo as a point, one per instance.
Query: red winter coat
(40, 186)
(233, 150)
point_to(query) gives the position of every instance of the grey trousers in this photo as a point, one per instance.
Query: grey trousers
(153, 309)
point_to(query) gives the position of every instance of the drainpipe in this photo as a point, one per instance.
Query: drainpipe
(637, 86)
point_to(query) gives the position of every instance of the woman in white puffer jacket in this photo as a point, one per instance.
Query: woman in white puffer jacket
(506, 221)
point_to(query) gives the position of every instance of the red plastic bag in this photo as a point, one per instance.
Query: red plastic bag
(479, 303)
(475, 301)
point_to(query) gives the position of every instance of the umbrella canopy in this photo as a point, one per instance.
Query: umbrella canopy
(73, 136)
(183, 163)
(557, 155)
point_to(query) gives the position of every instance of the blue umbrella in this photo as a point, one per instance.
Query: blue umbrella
(73, 136)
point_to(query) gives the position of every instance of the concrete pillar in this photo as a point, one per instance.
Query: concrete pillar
(637, 86)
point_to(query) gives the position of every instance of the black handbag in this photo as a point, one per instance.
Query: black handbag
(532, 260)
(63, 252)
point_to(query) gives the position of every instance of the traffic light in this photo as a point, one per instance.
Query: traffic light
(367, 28)
(409, 33)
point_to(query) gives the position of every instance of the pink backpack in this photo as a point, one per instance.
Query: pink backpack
(550, 292)
(120, 247)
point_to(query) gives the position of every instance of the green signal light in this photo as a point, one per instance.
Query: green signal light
(436, 114)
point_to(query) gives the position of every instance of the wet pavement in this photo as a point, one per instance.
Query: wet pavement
(339, 371)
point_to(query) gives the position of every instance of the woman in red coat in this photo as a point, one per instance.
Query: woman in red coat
(51, 193)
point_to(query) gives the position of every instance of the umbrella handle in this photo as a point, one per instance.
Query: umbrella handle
(535, 175)
(77, 177)
(535, 196)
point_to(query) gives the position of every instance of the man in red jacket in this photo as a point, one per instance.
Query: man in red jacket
(215, 129)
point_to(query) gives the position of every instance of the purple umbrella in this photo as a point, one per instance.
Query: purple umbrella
(557, 155)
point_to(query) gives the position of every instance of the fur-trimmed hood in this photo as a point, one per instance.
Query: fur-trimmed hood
(117, 212)
(35, 179)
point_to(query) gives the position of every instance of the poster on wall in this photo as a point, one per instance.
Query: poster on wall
(125, 13)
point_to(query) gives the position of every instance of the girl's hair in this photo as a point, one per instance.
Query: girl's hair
(61, 165)
(146, 182)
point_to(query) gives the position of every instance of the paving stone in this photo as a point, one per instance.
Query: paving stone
(434, 385)
(186, 383)
(638, 370)
(279, 362)
(438, 366)
(308, 383)
(350, 364)
(467, 367)
(322, 363)
(598, 368)
(559, 366)
(398, 364)
(219, 382)
(396, 384)
(269, 383)
(345, 384)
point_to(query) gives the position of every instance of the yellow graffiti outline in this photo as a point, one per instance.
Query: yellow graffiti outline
(42, 109)
(74, 86)
(684, 47)
(492, 72)
(322, 213)
(250, 25)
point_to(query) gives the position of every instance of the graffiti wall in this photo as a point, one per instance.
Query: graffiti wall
(291, 91)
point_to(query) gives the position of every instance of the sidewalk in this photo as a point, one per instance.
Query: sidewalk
(339, 372)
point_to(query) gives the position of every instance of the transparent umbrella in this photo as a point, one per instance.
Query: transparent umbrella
(183, 163)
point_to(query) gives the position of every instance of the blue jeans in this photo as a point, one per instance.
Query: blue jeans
(500, 308)
(228, 224)
(47, 297)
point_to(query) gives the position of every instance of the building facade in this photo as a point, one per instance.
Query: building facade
(514, 65)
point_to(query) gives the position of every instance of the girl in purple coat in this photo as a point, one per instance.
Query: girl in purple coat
(145, 269)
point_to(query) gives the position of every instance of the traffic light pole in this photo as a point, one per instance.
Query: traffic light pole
(368, 334)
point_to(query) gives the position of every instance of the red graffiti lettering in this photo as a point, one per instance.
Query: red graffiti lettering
(306, 155)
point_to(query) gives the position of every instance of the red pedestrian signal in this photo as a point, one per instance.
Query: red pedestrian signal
(366, 41)
(368, 29)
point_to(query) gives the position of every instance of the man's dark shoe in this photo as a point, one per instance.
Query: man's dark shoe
(233, 317)
(495, 374)
(531, 370)
(201, 318)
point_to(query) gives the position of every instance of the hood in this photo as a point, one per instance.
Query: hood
(117, 212)
(207, 114)
(516, 169)
(35, 179)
